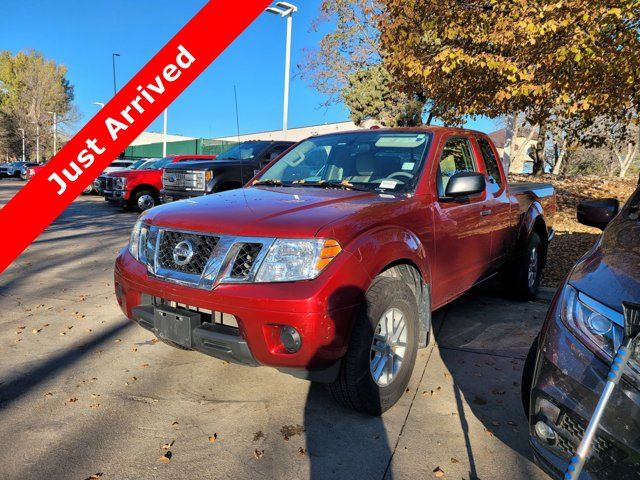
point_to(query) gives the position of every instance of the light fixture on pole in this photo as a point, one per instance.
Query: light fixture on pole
(99, 104)
(164, 133)
(113, 60)
(285, 10)
(55, 132)
(23, 148)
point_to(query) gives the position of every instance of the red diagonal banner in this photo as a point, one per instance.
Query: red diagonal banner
(107, 134)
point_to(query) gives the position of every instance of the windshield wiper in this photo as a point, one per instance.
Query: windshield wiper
(331, 184)
(270, 182)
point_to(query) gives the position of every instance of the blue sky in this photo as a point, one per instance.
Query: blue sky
(82, 37)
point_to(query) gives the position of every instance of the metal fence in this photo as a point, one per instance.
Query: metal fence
(198, 146)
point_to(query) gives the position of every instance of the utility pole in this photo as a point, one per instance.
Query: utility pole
(23, 148)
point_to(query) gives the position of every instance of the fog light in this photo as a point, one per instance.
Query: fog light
(545, 432)
(290, 339)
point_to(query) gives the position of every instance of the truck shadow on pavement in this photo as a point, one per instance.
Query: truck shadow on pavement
(481, 342)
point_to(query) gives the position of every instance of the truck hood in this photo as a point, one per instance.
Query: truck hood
(292, 212)
(205, 164)
(610, 273)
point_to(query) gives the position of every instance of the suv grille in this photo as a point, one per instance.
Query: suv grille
(603, 453)
(245, 259)
(202, 246)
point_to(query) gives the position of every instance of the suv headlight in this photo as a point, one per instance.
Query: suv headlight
(138, 239)
(290, 259)
(592, 322)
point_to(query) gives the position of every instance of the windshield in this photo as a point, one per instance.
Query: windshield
(137, 164)
(243, 151)
(371, 160)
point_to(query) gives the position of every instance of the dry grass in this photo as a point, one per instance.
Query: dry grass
(573, 239)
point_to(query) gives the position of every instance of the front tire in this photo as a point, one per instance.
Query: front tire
(144, 200)
(382, 351)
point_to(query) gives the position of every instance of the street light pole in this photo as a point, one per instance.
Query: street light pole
(286, 10)
(55, 132)
(37, 142)
(164, 134)
(23, 148)
(113, 60)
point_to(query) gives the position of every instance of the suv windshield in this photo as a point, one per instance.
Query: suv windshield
(243, 151)
(371, 160)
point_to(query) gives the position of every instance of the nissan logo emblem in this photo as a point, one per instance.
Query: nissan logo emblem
(183, 252)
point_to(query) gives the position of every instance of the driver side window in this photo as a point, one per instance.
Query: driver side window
(456, 158)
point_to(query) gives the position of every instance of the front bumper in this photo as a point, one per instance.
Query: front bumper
(321, 310)
(119, 197)
(572, 378)
(167, 196)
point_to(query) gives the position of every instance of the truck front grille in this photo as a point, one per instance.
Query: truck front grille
(183, 180)
(201, 260)
(201, 245)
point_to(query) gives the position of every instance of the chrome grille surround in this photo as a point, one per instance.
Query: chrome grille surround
(218, 261)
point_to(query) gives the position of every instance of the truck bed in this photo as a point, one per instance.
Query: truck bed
(538, 189)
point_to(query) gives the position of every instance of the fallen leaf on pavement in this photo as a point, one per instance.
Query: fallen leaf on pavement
(258, 435)
(167, 446)
(94, 405)
(48, 394)
(213, 438)
(302, 451)
(174, 423)
(73, 400)
(166, 458)
(145, 365)
(454, 460)
(438, 472)
(258, 453)
(95, 476)
(36, 330)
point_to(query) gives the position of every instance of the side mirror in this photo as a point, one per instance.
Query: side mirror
(465, 184)
(597, 213)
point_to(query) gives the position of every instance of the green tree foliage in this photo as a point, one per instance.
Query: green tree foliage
(369, 95)
(31, 87)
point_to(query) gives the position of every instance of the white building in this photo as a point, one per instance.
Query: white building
(294, 134)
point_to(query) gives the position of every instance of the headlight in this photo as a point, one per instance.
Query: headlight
(289, 260)
(594, 324)
(138, 239)
(119, 183)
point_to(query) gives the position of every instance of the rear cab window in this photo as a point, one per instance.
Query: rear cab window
(490, 162)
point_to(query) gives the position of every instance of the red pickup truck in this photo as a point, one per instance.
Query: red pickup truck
(139, 189)
(330, 262)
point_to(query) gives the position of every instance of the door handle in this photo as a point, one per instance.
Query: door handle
(484, 213)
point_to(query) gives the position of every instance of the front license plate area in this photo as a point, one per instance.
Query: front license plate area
(175, 325)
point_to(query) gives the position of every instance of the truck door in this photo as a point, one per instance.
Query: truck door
(502, 233)
(462, 229)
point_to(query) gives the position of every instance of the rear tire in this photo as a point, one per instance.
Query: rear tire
(384, 343)
(523, 276)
